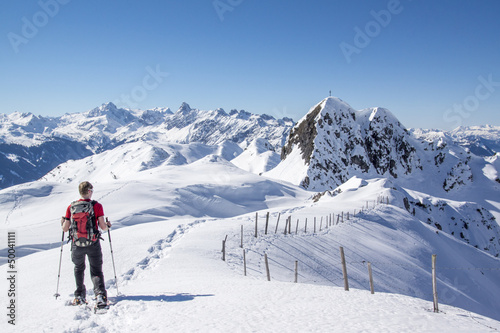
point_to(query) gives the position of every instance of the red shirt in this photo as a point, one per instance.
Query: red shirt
(98, 210)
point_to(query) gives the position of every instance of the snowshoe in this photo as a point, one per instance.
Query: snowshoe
(101, 304)
(79, 301)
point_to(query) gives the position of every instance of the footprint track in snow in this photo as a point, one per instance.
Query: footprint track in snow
(156, 252)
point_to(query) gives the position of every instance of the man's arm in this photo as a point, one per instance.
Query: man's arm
(103, 224)
(65, 223)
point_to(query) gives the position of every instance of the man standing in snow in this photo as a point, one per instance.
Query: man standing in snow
(86, 244)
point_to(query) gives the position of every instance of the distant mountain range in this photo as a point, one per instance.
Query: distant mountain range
(31, 146)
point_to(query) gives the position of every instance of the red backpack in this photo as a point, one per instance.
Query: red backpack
(83, 229)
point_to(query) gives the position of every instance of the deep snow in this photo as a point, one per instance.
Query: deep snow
(169, 223)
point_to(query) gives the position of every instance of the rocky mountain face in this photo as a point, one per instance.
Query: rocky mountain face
(337, 142)
(333, 143)
(30, 145)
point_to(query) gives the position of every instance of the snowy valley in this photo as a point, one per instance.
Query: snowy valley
(176, 184)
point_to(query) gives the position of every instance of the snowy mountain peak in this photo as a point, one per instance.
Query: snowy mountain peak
(336, 142)
(184, 108)
(102, 110)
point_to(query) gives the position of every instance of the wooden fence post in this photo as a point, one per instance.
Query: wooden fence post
(290, 225)
(256, 217)
(224, 249)
(344, 269)
(277, 222)
(372, 290)
(267, 221)
(434, 284)
(315, 224)
(296, 271)
(241, 245)
(244, 263)
(297, 227)
(286, 225)
(305, 228)
(267, 267)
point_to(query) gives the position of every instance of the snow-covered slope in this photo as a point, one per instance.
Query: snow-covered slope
(258, 157)
(170, 262)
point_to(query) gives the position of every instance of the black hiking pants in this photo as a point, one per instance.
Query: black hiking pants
(94, 255)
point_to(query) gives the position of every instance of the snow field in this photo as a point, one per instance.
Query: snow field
(169, 223)
(172, 278)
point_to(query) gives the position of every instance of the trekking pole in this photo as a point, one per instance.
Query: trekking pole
(112, 258)
(59, 273)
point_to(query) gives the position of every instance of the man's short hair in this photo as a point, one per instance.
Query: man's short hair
(84, 188)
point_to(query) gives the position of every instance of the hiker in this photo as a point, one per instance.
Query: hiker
(85, 242)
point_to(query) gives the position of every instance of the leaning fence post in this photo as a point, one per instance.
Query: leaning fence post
(372, 290)
(267, 267)
(224, 249)
(267, 221)
(277, 223)
(344, 269)
(434, 284)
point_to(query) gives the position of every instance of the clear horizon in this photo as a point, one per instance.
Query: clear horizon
(432, 64)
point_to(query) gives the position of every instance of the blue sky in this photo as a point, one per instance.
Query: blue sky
(434, 64)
